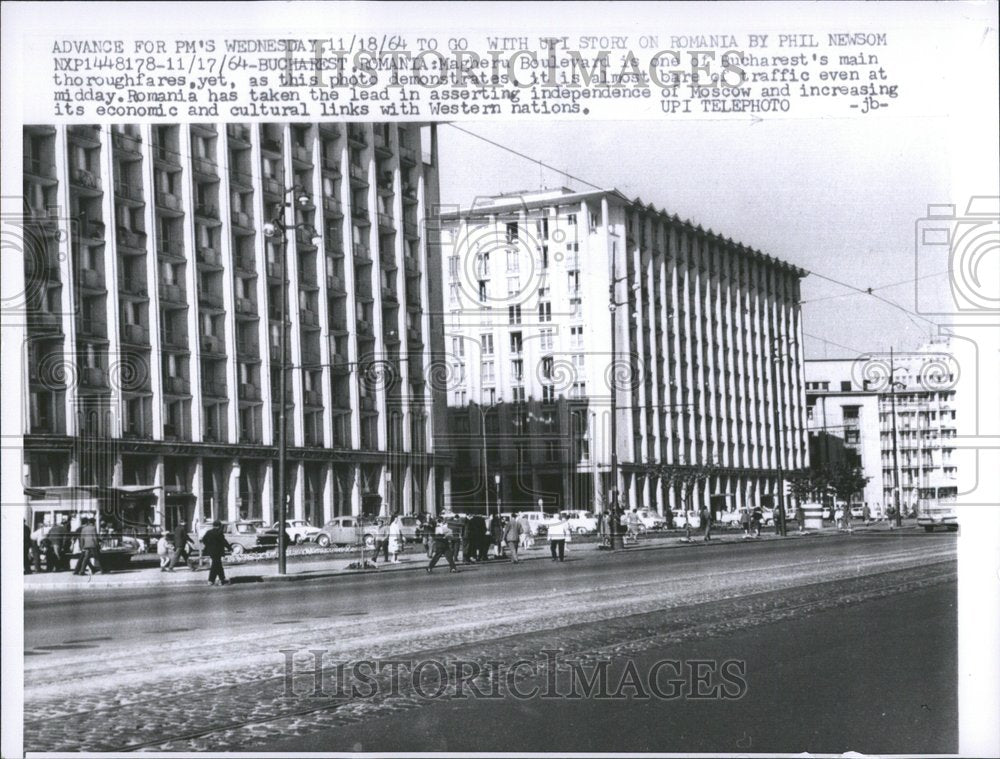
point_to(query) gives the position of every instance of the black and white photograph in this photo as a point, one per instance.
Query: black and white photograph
(488, 379)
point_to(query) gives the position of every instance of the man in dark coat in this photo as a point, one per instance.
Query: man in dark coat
(181, 540)
(214, 546)
(27, 549)
(90, 548)
(61, 542)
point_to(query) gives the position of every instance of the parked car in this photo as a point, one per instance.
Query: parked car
(858, 512)
(411, 529)
(650, 520)
(246, 536)
(299, 530)
(581, 522)
(539, 520)
(938, 514)
(347, 531)
(769, 515)
(730, 518)
(689, 518)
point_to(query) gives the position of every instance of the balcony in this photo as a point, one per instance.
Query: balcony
(335, 284)
(91, 279)
(359, 174)
(361, 253)
(212, 344)
(364, 327)
(246, 263)
(246, 306)
(126, 191)
(271, 145)
(313, 398)
(242, 219)
(87, 135)
(409, 193)
(172, 294)
(338, 324)
(329, 129)
(239, 134)
(272, 186)
(209, 299)
(339, 363)
(168, 201)
(92, 229)
(134, 285)
(304, 237)
(209, 257)
(411, 265)
(360, 215)
(249, 392)
(170, 248)
(207, 211)
(205, 166)
(386, 222)
(36, 167)
(408, 155)
(367, 403)
(301, 154)
(213, 388)
(356, 137)
(389, 295)
(132, 239)
(415, 335)
(93, 376)
(308, 317)
(127, 146)
(332, 207)
(176, 385)
(331, 165)
(135, 334)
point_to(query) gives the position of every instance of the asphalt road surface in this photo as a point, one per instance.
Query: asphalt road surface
(827, 645)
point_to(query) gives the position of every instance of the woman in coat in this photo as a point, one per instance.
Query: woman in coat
(396, 538)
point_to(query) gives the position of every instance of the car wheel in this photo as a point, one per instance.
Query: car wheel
(299, 540)
(581, 530)
(323, 541)
(238, 549)
(928, 528)
(369, 541)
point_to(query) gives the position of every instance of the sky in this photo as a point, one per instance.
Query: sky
(837, 197)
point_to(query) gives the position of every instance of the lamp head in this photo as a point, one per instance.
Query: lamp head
(270, 230)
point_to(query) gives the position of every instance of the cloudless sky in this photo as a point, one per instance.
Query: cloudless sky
(837, 197)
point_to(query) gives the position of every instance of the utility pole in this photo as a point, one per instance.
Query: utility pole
(613, 306)
(895, 444)
(778, 434)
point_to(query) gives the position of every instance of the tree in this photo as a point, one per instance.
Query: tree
(847, 481)
(686, 478)
(808, 483)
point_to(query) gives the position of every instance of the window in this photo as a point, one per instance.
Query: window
(545, 256)
(459, 398)
(571, 219)
(453, 267)
(548, 394)
(575, 308)
(579, 389)
(518, 393)
(573, 282)
(845, 387)
(515, 342)
(543, 228)
(486, 341)
(513, 262)
(517, 370)
(576, 337)
(544, 312)
(511, 231)
(578, 360)
(595, 220)
(487, 373)
(547, 367)
(514, 314)
(513, 285)
(482, 290)
(546, 339)
(851, 412)
(453, 293)
(483, 264)
(458, 347)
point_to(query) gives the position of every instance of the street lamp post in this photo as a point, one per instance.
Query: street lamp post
(778, 435)
(496, 480)
(613, 306)
(278, 229)
(895, 445)
(486, 476)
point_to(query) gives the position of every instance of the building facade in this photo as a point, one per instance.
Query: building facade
(705, 368)
(924, 464)
(152, 358)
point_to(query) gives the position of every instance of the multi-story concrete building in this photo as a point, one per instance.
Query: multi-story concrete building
(707, 355)
(152, 358)
(925, 421)
(844, 425)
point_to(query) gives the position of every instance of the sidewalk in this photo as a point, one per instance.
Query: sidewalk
(414, 558)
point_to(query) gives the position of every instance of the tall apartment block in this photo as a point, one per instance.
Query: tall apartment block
(924, 464)
(152, 358)
(706, 366)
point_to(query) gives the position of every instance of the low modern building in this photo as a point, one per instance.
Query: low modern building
(701, 356)
(850, 403)
(154, 319)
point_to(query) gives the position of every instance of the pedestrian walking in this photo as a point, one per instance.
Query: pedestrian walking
(445, 543)
(27, 549)
(496, 535)
(512, 535)
(866, 514)
(756, 520)
(163, 551)
(38, 545)
(559, 535)
(706, 522)
(427, 533)
(745, 521)
(90, 548)
(61, 540)
(381, 540)
(181, 540)
(527, 541)
(838, 517)
(800, 517)
(214, 545)
(395, 538)
(848, 527)
(632, 520)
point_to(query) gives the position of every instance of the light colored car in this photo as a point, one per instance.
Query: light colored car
(650, 520)
(538, 519)
(347, 531)
(938, 514)
(731, 518)
(687, 519)
(299, 530)
(581, 522)
(858, 512)
(245, 536)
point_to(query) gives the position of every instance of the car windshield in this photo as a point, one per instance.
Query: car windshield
(246, 529)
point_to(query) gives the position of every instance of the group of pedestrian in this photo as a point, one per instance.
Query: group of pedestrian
(51, 545)
(389, 539)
